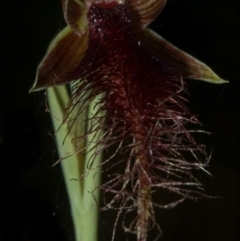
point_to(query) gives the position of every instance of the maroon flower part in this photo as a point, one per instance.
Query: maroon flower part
(141, 109)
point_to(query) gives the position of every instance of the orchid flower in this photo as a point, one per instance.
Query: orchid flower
(127, 95)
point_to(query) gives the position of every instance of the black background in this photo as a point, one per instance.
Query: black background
(34, 204)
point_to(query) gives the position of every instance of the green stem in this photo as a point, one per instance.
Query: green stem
(83, 207)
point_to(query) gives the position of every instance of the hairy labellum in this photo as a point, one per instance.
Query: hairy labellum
(139, 120)
(141, 112)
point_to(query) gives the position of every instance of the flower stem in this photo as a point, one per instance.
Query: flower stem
(84, 209)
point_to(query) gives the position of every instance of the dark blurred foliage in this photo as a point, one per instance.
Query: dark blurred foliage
(33, 201)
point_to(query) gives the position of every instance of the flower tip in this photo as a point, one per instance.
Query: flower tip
(34, 89)
(31, 90)
(37, 86)
(214, 80)
(218, 81)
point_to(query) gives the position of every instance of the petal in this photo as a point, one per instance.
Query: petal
(75, 14)
(189, 66)
(63, 54)
(145, 11)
